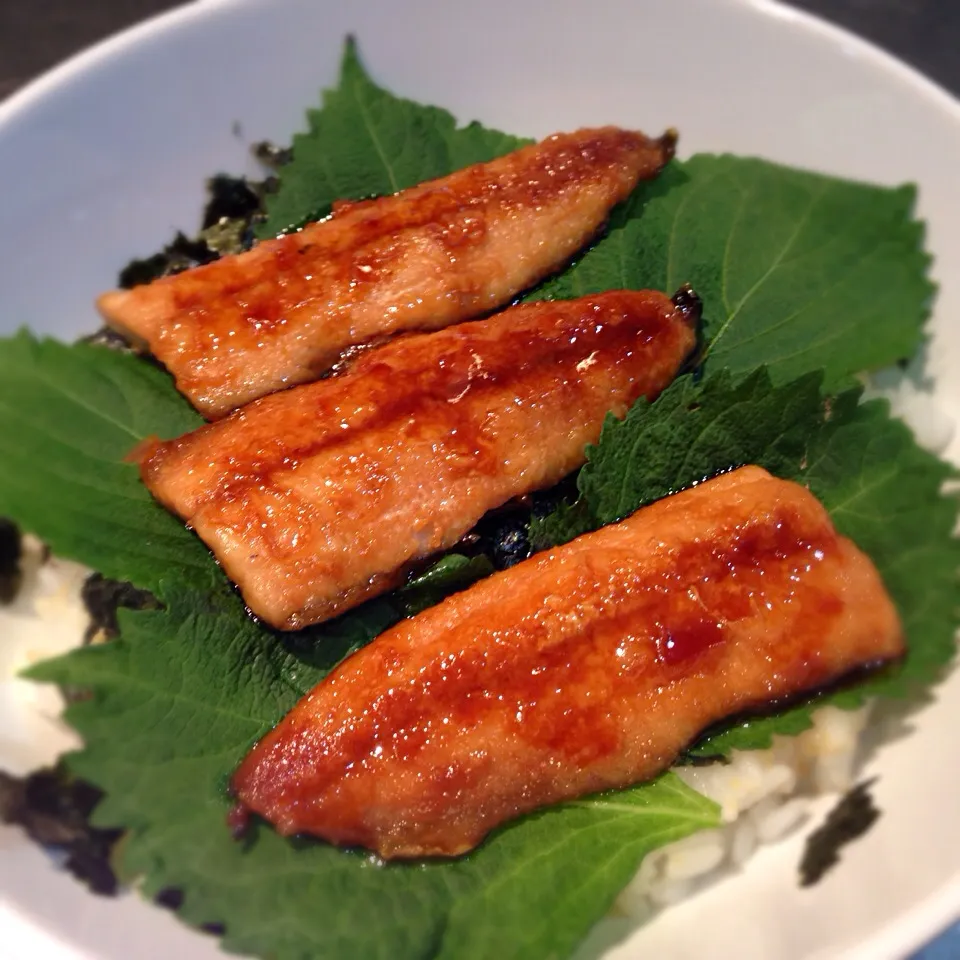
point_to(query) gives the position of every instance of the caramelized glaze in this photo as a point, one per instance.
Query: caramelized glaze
(318, 497)
(586, 668)
(441, 252)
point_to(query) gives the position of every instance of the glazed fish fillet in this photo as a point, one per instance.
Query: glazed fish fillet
(585, 668)
(444, 251)
(316, 498)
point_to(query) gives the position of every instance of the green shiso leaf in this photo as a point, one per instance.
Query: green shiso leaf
(566, 522)
(69, 416)
(366, 142)
(179, 699)
(882, 490)
(797, 271)
(695, 431)
(449, 574)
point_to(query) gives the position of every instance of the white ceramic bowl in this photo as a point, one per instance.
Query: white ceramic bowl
(104, 157)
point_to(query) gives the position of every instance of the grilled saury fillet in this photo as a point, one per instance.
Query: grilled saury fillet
(316, 498)
(444, 251)
(588, 667)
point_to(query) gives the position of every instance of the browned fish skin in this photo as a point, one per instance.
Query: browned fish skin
(582, 669)
(316, 498)
(444, 251)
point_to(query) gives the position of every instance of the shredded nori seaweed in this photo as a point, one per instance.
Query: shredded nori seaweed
(503, 534)
(109, 338)
(271, 155)
(234, 206)
(179, 255)
(506, 538)
(54, 810)
(695, 760)
(102, 597)
(172, 899)
(231, 198)
(11, 550)
(851, 818)
(169, 897)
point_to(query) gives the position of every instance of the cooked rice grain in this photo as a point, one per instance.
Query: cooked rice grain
(764, 795)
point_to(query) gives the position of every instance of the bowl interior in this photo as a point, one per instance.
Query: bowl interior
(106, 157)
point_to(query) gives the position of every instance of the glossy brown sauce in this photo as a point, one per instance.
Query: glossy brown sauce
(357, 259)
(535, 353)
(657, 628)
(579, 670)
(447, 250)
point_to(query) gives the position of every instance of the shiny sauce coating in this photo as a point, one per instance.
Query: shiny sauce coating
(318, 497)
(586, 668)
(435, 254)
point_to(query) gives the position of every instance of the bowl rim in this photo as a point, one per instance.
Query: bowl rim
(916, 927)
(90, 58)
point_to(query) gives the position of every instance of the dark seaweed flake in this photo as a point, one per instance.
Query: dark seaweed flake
(102, 598)
(54, 809)
(169, 897)
(233, 206)
(271, 155)
(231, 198)
(503, 534)
(509, 544)
(109, 338)
(182, 254)
(172, 899)
(695, 760)
(851, 818)
(11, 550)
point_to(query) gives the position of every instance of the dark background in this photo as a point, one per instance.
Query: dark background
(35, 34)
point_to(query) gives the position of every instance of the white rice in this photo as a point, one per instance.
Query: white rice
(913, 403)
(47, 618)
(764, 795)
